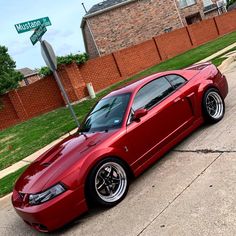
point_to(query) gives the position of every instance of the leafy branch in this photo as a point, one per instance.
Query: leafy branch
(65, 60)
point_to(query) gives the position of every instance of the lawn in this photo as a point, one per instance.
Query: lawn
(21, 140)
(219, 59)
(7, 183)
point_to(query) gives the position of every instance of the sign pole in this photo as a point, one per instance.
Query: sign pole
(55, 74)
(39, 25)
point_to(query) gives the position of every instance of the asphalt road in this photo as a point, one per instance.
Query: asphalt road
(191, 191)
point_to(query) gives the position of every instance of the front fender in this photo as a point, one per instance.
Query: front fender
(77, 177)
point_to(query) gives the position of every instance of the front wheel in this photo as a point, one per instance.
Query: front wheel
(108, 182)
(213, 106)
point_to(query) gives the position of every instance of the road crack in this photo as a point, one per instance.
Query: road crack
(205, 151)
(176, 197)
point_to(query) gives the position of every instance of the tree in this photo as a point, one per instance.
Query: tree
(230, 2)
(9, 77)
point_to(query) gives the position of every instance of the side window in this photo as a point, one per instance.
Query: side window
(175, 80)
(152, 93)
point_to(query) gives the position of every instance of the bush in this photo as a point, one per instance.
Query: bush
(65, 60)
(44, 71)
(230, 2)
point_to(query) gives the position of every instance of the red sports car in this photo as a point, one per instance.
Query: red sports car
(125, 132)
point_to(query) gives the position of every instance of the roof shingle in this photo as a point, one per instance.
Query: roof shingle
(27, 71)
(103, 5)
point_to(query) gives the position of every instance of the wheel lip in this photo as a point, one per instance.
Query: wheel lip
(219, 110)
(119, 193)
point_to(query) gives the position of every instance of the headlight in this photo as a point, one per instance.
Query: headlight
(35, 199)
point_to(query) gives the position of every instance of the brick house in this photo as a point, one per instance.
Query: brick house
(116, 24)
(30, 76)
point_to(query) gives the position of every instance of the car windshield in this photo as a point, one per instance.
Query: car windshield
(107, 114)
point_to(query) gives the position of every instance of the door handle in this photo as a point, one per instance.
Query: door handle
(177, 100)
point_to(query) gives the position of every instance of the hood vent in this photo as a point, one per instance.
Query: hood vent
(46, 164)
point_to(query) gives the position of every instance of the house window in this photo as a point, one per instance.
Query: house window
(186, 3)
(195, 18)
(207, 3)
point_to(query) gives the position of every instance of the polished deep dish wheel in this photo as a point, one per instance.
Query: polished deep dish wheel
(108, 182)
(213, 106)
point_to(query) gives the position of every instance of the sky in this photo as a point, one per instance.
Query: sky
(64, 34)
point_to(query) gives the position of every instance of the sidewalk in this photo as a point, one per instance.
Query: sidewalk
(35, 155)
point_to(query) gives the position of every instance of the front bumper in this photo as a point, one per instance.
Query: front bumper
(52, 214)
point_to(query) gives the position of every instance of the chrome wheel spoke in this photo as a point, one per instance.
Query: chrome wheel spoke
(115, 180)
(108, 190)
(111, 182)
(214, 105)
(101, 185)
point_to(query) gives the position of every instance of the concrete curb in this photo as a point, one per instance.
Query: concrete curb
(226, 63)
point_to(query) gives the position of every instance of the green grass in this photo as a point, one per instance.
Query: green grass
(219, 59)
(7, 183)
(21, 140)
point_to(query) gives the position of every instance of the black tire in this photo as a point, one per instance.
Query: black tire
(108, 182)
(213, 106)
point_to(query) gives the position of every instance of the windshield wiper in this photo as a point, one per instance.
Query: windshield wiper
(101, 108)
(110, 107)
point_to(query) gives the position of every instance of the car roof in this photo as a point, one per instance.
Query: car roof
(134, 86)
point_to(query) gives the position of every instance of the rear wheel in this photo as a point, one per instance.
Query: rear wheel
(108, 182)
(213, 106)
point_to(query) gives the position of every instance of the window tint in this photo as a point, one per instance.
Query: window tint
(152, 93)
(175, 80)
(107, 114)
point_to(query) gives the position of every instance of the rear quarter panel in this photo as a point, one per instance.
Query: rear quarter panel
(206, 78)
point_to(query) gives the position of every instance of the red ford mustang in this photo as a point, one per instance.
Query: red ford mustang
(124, 133)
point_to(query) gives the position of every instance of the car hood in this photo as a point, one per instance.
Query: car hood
(58, 162)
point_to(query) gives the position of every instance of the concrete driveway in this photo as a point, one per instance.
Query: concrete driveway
(191, 191)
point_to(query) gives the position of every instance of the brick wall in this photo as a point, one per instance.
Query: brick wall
(102, 72)
(134, 59)
(44, 95)
(226, 23)
(29, 101)
(40, 97)
(8, 115)
(173, 43)
(203, 32)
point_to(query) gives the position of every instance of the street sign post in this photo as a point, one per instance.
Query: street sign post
(50, 60)
(47, 52)
(38, 33)
(33, 24)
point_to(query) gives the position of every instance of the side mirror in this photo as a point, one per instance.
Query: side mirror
(139, 113)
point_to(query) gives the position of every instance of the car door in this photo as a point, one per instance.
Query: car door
(168, 114)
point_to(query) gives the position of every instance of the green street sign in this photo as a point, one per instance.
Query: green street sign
(38, 33)
(33, 24)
